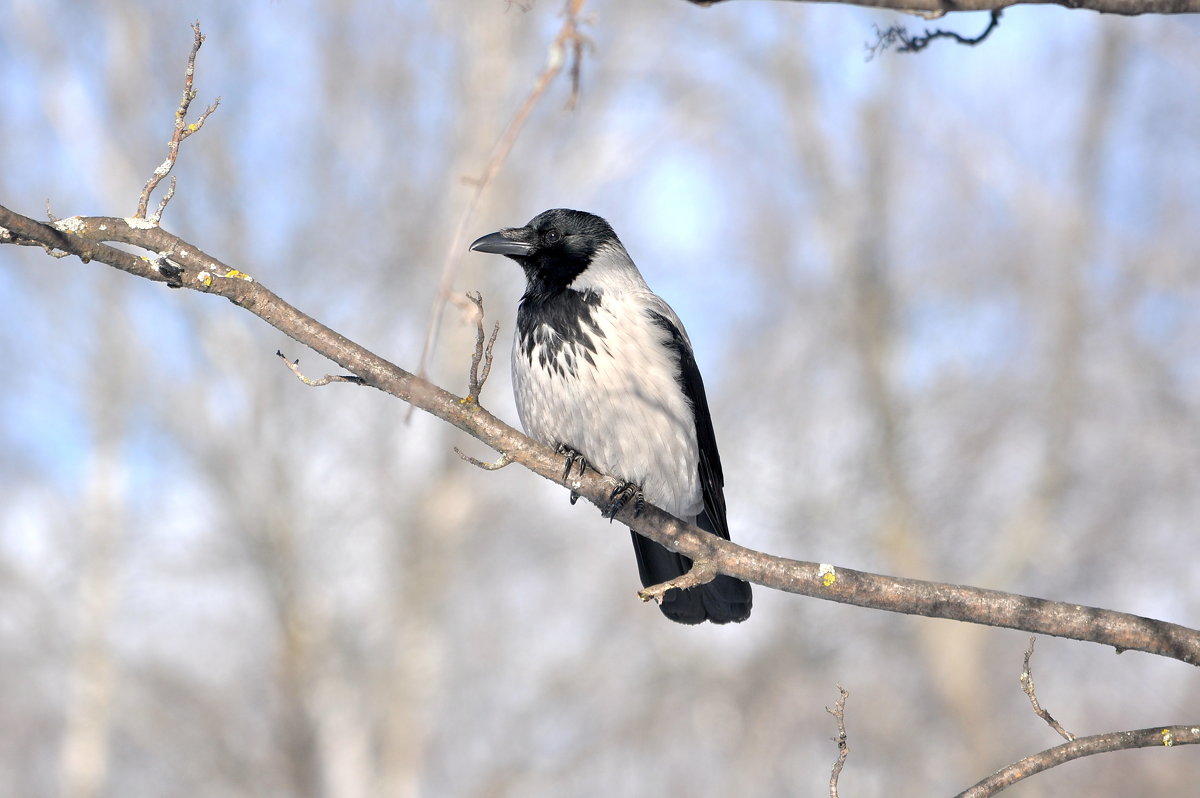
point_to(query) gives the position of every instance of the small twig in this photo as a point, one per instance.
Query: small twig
(568, 36)
(483, 353)
(577, 41)
(701, 573)
(182, 131)
(54, 253)
(162, 204)
(486, 466)
(839, 712)
(915, 44)
(294, 365)
(1027, 686)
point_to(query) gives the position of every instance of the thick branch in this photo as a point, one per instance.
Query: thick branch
(179, 263)
(1158, 737)
(937, 8)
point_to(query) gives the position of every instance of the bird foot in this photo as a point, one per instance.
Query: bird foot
(573, 458)
(621, 496)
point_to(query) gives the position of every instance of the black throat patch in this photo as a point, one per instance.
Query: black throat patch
(562, 324)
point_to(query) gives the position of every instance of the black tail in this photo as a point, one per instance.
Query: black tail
(722, 600)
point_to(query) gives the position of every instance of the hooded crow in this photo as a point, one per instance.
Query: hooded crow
(603, 371)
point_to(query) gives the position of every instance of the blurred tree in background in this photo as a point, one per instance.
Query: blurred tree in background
(946, 307)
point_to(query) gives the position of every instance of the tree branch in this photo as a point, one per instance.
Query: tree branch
(843, 745)
(915, 44)
(180, 133)
(181, 264)
(319, 382)
(1158, 737)
(1031, 691)
(568, 39)
(481, 361)
(937, 8)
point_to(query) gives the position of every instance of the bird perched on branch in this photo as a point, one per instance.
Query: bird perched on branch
(604, 372)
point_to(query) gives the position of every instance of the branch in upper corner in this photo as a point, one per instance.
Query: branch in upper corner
(1031, 691)
(915, 44)
(181, 132)
(1157, 737)
(938, 7)
(839, 713)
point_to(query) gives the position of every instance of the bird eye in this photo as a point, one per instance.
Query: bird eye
(552, 236)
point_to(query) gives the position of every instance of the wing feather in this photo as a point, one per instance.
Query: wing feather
(712, 479)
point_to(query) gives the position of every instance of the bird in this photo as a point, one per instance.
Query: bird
(604, 373)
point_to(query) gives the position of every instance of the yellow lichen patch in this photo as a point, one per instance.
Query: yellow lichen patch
(236, 275)
(1168, 738)
(205, 278)
(827, 574)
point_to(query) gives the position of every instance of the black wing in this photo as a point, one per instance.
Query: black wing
(724, 599)
(712, 479)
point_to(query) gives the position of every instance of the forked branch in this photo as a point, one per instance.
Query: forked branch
(182, 131)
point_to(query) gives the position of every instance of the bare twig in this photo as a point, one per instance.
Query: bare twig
(1157, 737)
(485, 465)
(701, 573)
(182, 131)
(568, 37)
(162, 204)
(294, 365)
(483, 351)
(577, 42)
(915, 44)
(1027, 686)
(839, 712)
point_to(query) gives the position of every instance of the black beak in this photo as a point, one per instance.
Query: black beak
(506, 242)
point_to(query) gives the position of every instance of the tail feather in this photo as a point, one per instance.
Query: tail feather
(723, 600)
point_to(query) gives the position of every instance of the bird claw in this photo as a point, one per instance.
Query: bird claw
(573, 458)
(620, 497)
